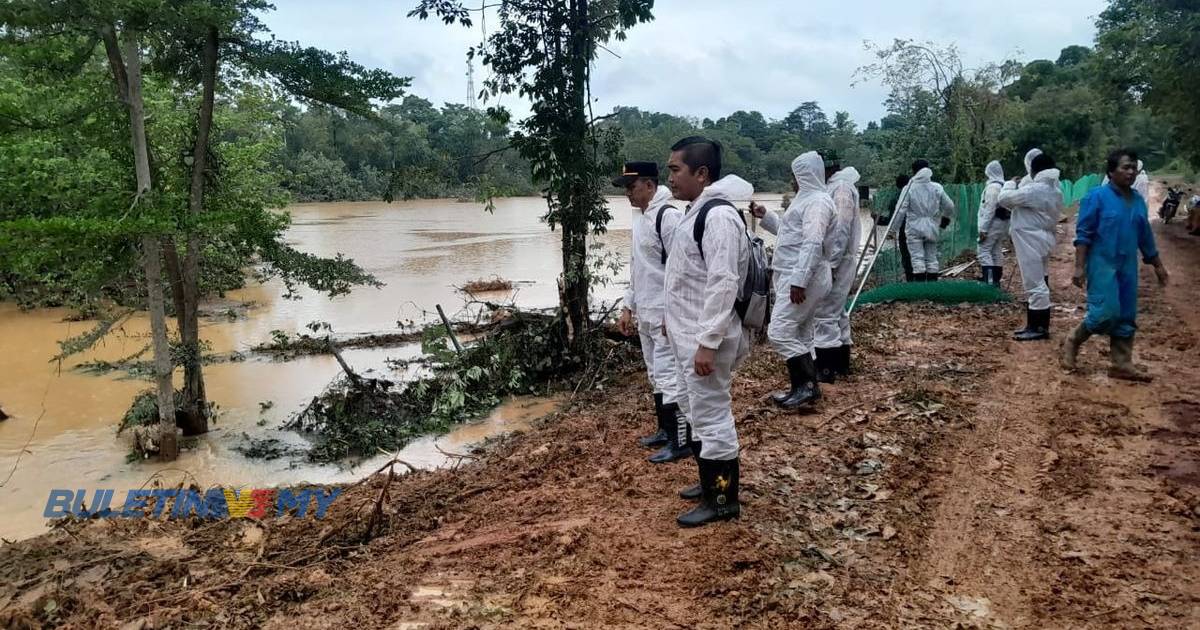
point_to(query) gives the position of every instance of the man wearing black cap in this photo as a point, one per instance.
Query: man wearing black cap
(654, 222)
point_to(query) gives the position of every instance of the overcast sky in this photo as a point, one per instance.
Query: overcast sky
(708, 58)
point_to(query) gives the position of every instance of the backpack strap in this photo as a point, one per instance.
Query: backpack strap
(658, 228)
(702, 218)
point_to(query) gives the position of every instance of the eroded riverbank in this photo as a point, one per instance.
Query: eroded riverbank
(958, 479)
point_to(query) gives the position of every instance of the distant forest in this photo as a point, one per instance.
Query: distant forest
(1064, 106)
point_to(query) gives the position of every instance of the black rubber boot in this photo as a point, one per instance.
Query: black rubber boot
(693, 493)
(827, 365)
(997, 275)
(805, 388)
(985, 274)
(933, 276)
(660, 437)
(1028, 323)
(719, 494)
(1038, 328)
(795, 376)
(677, 448)
(843, 360)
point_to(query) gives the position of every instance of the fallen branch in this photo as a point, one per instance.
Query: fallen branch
(456, 455)
(377, 513)
(839, 413)
(449, 330)
(354, 377)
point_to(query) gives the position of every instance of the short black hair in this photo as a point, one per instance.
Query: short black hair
(918, 165)
(1040, 163)
(831, 160)
(1114, 159)
(902, 181)
(700, 151)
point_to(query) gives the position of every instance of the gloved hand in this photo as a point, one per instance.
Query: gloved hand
(945, 222)
(882, 220)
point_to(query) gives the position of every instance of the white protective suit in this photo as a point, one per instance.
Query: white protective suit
(644, 297)
(1029, 167)
(700, 293)
(1035, 209)
(805, 236)
(1142, 183)
(995, 228)
(833, 324)
(923, 203)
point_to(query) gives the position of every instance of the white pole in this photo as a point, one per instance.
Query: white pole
(878, 249)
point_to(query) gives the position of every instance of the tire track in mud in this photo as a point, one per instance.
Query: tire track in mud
(980, 535)
(1076, 501)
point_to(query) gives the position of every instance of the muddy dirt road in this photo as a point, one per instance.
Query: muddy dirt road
(959, 478)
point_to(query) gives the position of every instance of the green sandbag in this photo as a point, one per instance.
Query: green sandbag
(942, 292)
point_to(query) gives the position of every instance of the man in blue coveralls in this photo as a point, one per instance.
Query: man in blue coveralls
(1112, 227)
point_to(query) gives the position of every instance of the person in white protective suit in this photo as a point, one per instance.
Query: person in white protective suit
(1025, 181)
(803, 278)
(1035, 208)
(993, 225)
(927, 208)
(832, 337)
(654, 222)
(705, 269)
(1142, 183)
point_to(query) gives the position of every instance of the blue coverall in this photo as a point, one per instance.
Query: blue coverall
(1115, 230)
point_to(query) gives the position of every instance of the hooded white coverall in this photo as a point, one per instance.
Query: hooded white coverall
(804, 238)
(1142, 182)
(833, 324)
(1029, 167)
(991, 249)
(924, 203)
(700, 294)
(644, 297)
(1035, 209)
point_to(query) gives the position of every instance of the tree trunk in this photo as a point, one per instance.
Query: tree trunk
(576, 276)
(128, 76)
(194, 409)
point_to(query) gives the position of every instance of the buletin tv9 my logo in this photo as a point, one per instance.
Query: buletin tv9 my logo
(214, 503)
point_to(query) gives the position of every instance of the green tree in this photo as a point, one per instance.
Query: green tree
(190, 46)
(543, 50)
(1149, 49)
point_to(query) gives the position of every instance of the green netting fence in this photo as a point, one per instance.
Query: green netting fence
(959, 241)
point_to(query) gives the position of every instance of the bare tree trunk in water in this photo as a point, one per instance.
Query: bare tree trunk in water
(129, 87)
(194, 410)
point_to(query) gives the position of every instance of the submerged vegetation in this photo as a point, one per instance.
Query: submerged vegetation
(526, 354)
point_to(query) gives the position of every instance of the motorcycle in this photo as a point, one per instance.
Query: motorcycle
(1170, 205)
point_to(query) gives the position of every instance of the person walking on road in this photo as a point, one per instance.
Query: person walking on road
(1112, 228)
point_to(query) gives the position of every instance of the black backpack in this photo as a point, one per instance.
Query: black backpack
(658, 228)
(753, 299)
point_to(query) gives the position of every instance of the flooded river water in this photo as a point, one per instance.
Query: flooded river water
(62, 428)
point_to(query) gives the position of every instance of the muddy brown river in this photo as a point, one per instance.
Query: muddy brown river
(62, 430)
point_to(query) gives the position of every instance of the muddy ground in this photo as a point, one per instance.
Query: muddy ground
(959, 479)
